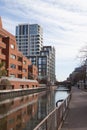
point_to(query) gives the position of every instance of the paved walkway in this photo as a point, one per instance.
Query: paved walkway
(77, 116)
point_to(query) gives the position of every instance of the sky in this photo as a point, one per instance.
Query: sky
(64, 24)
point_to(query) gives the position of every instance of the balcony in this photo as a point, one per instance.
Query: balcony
(2, 45)
(19, 63)
(2, 56)
(19, 72)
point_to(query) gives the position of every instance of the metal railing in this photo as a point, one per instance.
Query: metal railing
(55, 118)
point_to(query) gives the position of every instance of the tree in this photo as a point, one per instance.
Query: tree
(5, 84)
(79, 74)
(3, 71)
(83, 55)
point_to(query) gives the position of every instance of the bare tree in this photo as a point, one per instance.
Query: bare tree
(83, 54)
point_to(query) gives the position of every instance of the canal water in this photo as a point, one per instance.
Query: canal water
(25, 112)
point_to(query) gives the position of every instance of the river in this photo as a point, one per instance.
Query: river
(25, 112)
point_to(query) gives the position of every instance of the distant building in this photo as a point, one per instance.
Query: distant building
(29, 38)
(45, 63)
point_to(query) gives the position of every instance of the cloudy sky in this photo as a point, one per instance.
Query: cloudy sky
(64, 24)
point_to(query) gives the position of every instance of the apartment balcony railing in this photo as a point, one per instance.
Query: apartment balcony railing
(2, 56)
(2, 45)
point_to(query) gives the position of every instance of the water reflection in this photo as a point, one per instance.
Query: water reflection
(15, 113)
(24, 113)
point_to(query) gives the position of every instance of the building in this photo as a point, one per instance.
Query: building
(30, 42)
(33, 71)
(29, 38)
(45, 63)
(49, 51)
(16, 64)
(36, 39)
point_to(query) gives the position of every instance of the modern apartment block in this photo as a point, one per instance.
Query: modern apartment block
(30, 42)
(49, 51)
(29, 38)
(36, 39)
(17, 65)
(45, 63)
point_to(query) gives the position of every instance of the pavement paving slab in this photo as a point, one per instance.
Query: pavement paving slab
(76, 118)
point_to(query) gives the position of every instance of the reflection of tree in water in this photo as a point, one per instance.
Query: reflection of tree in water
(3, 123)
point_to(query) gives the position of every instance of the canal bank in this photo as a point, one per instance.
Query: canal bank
(26, 112)
(12, 93)
(4, 94)
(76, 118)
(54, 119)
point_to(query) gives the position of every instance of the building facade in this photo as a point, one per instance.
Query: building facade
(16, 64)
(30, 42)
(45, 63)
(29, 38)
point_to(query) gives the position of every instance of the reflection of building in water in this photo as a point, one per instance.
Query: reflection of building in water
(24, 113)
(46, 104)
(15, 114)
(50, 102)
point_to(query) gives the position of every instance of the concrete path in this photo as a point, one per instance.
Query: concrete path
(77, 116)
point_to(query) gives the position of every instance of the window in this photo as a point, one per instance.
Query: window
(20, 59)
(21, 86)
(12, 46)
(13, 66)
(39, 60)
(33, 86)
(24, 62)
(24, 70)
(19, 68)
(11, 121)
(13, 56)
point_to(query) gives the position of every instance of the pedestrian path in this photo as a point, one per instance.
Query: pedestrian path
(77, 115)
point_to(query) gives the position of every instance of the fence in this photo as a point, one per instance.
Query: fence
(54, 119)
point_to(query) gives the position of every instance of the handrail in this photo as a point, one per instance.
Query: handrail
(61, 100)
(58, 114)
(44, 119)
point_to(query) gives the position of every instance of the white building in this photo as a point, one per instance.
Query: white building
(29, 39)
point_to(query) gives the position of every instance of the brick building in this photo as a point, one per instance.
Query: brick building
(17, 65)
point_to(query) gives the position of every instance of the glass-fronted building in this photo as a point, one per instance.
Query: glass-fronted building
(45, 63)
(36, 39)
(29, 39)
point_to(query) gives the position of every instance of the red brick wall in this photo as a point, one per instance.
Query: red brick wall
(21, 84)
(21, 70)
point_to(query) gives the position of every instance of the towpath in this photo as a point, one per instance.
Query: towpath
(77, 115)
